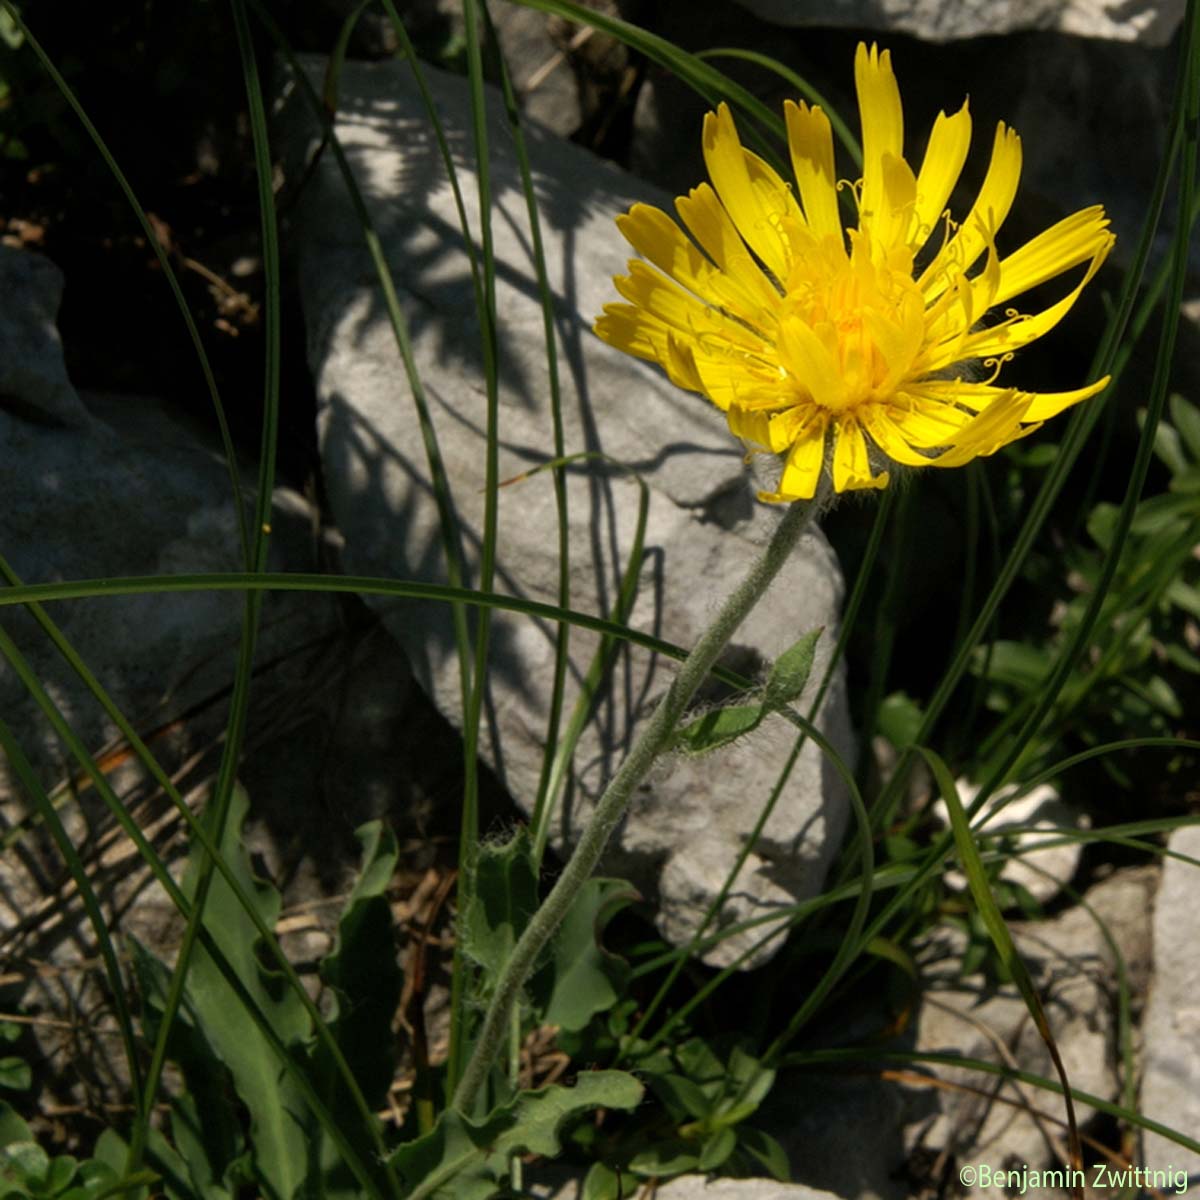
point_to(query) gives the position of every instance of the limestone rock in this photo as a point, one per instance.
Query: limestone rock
(1171, 1026)
(702, 526)
(1151, 21)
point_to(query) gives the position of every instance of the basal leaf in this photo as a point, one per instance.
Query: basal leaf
(461, 1159)
(366, 980)
(275, 1103)
(504, 898)
(581, 978)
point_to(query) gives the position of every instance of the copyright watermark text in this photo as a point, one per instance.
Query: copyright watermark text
(1018, 1180)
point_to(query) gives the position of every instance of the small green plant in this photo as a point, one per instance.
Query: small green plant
(1140, 674)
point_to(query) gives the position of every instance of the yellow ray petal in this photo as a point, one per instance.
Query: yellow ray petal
(978, 396)
(890, 224)
(802, 470)
(708, 222)
(882, 124)
(1003, 339)
(1064, 245)
(636, 332)
(648, 289)
(851, 465)
(774, 195)
(729, 377)
(1044, 405)
(888, 437)
(998, 424)
(656, 237)
(943, 163)
(984, 219)
(924, 422)
(741, 193)
(810, 141)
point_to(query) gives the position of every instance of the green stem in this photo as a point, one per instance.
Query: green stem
(653, 740)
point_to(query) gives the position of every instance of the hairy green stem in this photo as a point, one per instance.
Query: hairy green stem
(653, 740)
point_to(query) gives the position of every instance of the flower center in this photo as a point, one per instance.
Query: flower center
(850, 325)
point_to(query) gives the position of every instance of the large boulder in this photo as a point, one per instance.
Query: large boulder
(702, 530)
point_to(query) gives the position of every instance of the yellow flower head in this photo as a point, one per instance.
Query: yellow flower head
(847, 349)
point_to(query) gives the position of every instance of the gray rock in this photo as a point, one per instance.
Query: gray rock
(1151, 21)
(1171, 1026)
(133, 492)
(702, 527)
(33, 376)
(1073, 967)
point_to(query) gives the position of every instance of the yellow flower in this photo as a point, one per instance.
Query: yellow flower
(844, 350)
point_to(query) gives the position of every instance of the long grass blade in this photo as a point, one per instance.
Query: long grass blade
(993, 921)
(240, 700)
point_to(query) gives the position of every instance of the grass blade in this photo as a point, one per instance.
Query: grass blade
(989, 912)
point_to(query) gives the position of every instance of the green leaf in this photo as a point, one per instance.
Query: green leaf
(1186, 419)
(15, 1074)
(10, 1031)
(752, 1081)
(366, 980)
(204, 1125)
(790, 673)
(718, 728)
(26, 1164)
(581, 978)
(364, 972)
(899, 719)
(664, 1159)
(12, 1127)
(764, 1149)
(1017, 664)
(1185, 596)
(717, 1149)
(461, 1159)
(276, 1105)
(601, 1183)
(505, 896)
(1168, 445)
(62, 1171)
(682, 1098)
